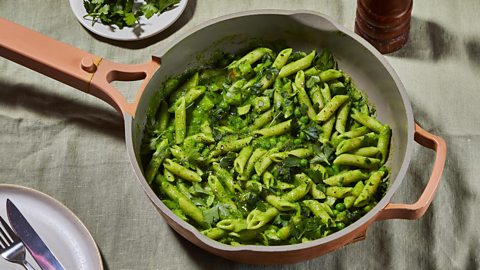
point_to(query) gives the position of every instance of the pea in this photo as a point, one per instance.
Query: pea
(335, 212)
(304, 119)
(340, 207)
(304, 162)
(367, 208)
(302, 135)
(340, 225)
(297, 112)
(283, 138)
(256, 177)
(297, 141)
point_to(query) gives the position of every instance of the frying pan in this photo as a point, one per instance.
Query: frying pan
(301, 30)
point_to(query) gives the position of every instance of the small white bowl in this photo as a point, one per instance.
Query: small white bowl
(146, 27)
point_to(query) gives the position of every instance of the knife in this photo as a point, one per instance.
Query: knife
(35, 245)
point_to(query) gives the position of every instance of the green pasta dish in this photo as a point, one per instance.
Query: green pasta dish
(269, 148)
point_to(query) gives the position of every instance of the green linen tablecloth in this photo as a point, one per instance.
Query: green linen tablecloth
(71, 146)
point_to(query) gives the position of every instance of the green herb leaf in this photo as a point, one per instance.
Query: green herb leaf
(224, 210)
(248, 201)
(227, 160)
(283, 173)
(198, 202)
(171, 204)
(210, 200)
(124, 13)
(217, 134)
(325, 61)
(211, 216)
(163, 5)
(333, 170)
(149, 10)
(313, 228)
(262, 206)
(292, 161)
(281, 220)
(311, 131)
(104, 9)
(323, 154)
(130, 19)
(315, 175)
(296, 56)
(338, 88)
(196, 188)
(312, 81)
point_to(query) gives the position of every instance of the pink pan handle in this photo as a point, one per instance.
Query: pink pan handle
(416, 210)
(84, 71)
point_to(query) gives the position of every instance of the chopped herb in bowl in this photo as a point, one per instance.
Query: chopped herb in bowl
(125, 13)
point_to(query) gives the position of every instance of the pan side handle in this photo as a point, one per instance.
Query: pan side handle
(417, 209)
(108, 71)
(84, 71)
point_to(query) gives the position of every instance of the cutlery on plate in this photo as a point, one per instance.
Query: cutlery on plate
(34, 244)
(11, 247)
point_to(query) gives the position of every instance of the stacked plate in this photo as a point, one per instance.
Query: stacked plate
(63, 233)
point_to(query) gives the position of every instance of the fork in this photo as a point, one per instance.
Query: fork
(11, 247)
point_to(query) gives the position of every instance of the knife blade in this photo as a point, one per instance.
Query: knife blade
(35, 245)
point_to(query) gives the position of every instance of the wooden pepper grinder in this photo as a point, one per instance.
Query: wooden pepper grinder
(384, 23)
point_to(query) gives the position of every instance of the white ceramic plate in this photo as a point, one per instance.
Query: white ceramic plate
(63, 233)
(148, 27)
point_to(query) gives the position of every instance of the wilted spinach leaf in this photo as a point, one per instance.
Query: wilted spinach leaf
(292, 161)
(325, 61)
(281, 220)
(315, 175)
(227, 160)
(248, 201)
(311, 131)
(312, 81)
(310, 227)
